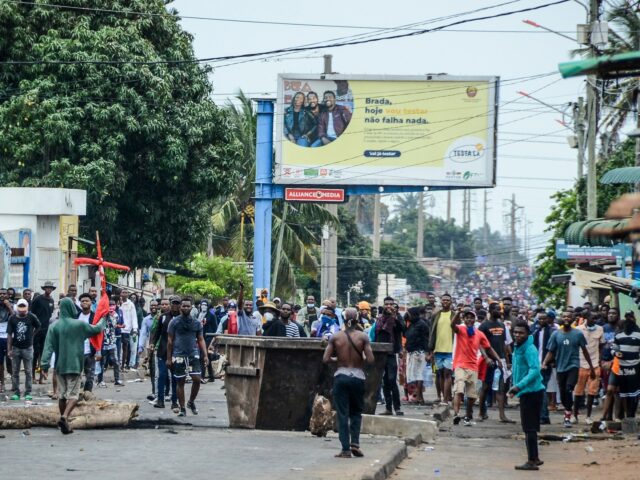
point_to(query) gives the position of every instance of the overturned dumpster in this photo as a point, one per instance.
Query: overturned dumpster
(271, 382)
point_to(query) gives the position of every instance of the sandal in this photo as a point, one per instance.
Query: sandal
(346, 454)
(355, 450)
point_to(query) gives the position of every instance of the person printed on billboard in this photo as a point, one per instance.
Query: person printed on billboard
(333, 121)
(299, 124)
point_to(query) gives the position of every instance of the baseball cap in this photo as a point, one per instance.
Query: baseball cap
(22, 303)
(175, 299)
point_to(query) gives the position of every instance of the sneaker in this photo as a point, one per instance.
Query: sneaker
(28, 397)
(119, 384)
(175, 407)
(456, 419)
(151, 397)
(183, 412)
(158, 404)
(588, 421)
(192, 406)
(545, 421)
(102, 385)
(386, 412)
(15, 397)
(466, 421)
(167, 398)
(399, 413)
(567, 423)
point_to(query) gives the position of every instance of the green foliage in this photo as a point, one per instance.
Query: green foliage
(202, 288)
(221, 271)
(145, 141)
(564, 213)
(401, 261)
(356, 270)
(438, 237)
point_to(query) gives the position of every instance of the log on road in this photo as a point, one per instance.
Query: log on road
(86, 415)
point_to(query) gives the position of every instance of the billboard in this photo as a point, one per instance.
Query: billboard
(433, 130)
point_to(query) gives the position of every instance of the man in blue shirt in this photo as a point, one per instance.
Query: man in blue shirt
(563, 347)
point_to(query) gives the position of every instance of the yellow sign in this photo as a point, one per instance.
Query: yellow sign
(347, 130)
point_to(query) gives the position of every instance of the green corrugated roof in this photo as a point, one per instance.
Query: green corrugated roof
(622, 175)
(609, 66)
(579, 233)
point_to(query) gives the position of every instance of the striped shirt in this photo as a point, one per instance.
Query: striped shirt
(629, 346)
(292, 329)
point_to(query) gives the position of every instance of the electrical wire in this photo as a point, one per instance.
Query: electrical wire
(283, 50)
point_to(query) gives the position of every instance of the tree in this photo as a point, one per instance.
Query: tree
(564, 214)
(144, 140)
(402, 262)
(232, 218)
(212, 277)
(362, 207)
(357, 272)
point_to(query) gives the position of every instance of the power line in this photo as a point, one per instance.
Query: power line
(283, 50)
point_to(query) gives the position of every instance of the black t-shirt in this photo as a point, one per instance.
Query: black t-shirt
(20, 329)
(42, 307)
(495, 331)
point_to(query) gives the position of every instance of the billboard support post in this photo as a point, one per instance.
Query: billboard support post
(264, 196)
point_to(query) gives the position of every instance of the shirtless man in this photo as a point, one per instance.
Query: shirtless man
(350, 349)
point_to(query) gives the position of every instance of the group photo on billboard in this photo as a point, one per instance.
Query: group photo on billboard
(348, 130)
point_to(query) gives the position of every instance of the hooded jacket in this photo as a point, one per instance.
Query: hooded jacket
(66, 339)
(526, 368)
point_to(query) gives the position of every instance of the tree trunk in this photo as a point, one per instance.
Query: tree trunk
(87, 415)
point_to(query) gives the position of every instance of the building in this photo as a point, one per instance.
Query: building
(35, 225)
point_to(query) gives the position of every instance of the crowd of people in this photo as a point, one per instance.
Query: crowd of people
(460, 351)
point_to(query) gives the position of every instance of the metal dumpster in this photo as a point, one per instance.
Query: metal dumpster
(271, 382)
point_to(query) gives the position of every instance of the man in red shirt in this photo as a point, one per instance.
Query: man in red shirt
(470, 342)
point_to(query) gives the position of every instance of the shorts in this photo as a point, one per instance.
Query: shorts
(629, 383)
(466, 382)
(444, 360)
(416, 362)
(69, 385)
(186, 365)
(585, 383)
(3, 350)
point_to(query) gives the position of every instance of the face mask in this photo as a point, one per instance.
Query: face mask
(471, 331)
(311, 305)
(268, 316)
(203, 308)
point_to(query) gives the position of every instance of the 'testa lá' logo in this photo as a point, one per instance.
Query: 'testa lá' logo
(467, 153)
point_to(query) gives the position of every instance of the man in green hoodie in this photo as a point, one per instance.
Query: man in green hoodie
(528, 387)
(66, 339)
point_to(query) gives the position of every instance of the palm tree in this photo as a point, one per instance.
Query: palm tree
(296, 228)
(621, 97)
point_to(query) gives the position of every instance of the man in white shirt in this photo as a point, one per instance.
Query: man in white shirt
(129, 330)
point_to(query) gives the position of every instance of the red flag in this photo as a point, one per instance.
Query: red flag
(101, 310)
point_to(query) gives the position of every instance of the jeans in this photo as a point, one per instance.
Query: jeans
(163, 387)
(544, 413)
(119, 348)
(390, 383)
(151, 358)
(126, 350)
(566, 383)
(109, 357)
(348, 398)
(89, 372)
(24, 355)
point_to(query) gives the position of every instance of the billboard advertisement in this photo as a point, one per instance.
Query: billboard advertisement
(433, 130)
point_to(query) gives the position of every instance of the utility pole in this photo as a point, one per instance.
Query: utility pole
(513, 220)
(420, 239)
(592, 111)
(448, 205)
(465, 195)
(485, 224)
(578, 126)
(376, 226)
(329, 270)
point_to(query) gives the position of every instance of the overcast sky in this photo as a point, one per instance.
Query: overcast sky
(532, 169)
